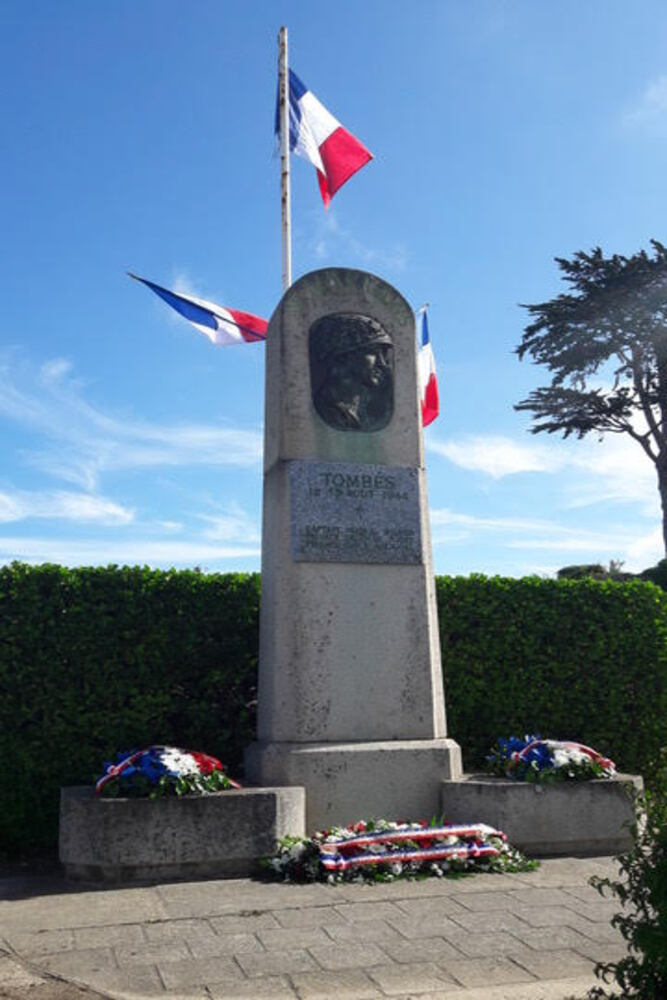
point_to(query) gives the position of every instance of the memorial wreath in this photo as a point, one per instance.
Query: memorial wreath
(382, 850)
(532, 758)
(159, 771)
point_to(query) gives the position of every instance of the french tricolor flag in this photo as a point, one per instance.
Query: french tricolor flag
(428, 383)
(222, 326)
(316, 135)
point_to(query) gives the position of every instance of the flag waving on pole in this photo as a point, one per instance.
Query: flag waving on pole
(316, 135)
(428, 383)
(221, 325)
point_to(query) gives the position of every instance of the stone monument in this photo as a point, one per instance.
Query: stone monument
(351, 701)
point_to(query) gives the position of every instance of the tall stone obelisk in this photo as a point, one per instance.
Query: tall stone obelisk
(351, 702)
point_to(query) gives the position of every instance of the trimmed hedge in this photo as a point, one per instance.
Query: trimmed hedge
(579, 659)
(93, 661)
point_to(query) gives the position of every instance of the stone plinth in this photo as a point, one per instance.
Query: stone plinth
(224, 833)
(349, 646)
(399, 779)
(568, 817)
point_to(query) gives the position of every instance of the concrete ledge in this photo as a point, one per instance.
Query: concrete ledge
(200, 835)
(576, 817)
(345, 782)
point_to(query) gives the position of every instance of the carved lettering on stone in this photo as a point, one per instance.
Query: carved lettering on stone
(344, 512)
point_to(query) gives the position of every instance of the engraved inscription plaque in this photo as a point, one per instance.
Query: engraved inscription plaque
(354, 513)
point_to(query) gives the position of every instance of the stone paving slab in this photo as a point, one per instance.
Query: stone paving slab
(529, 936)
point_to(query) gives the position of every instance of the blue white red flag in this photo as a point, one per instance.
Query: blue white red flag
(316, 135)
(428, 383)
(221, 325)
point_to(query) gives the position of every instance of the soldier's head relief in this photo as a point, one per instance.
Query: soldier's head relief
(352, 372)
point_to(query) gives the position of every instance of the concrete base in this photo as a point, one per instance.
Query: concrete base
(143, 839)
(345, 782)
(575, 817)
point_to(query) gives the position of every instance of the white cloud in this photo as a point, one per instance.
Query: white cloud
(591, 471)
(615, 469)
(85, 442)
(95, 552)
(231, 525)
(11, 508)
(173, 527)
(575, 542)
(651, 109)
(646, 551)
(497, 456)
(627, 542)
(443, 515)
(64, 505)
(542, 533)
(332, 239)
(57, 368)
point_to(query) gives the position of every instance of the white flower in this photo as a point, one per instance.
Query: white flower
(295, 851)
(564, 757)
(178, 762)
(396, 868)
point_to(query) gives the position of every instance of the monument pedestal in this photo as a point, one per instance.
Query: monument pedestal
(566, 817)
(346, 782)
(350, 696)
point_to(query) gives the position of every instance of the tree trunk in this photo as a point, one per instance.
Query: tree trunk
(661, 466)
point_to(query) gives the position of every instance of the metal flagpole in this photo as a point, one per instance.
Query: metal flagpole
(283, 112)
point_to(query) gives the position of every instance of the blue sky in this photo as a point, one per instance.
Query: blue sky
(139, 136)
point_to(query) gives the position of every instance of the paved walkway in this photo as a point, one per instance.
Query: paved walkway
(531, 936)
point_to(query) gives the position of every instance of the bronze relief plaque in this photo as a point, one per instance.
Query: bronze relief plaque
(351, 372)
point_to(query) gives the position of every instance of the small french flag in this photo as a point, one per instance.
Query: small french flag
(319, 137)
(222, 326)
(428, 383)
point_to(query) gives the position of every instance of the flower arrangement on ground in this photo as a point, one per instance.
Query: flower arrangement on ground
(382, 850)
(533, 759)
(158, 771)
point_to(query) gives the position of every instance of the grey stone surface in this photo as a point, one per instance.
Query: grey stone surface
(347, 782)
(223, 833)
(417, 977)
(271, 962)
(344, 984)
(311, 916)
(552, 964)
(348, 956)
(15, 976)
(354, 513)
(399, 943)
(295, 430)
(349, 650)
(197, 972)
(378, 931)
(79, 962)
(487, 971)
(236, 988)
(427, 948)
(577, 817)
(62, 909)
(293, 937)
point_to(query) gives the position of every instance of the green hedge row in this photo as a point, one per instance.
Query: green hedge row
(93, 661)
(578, 659)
